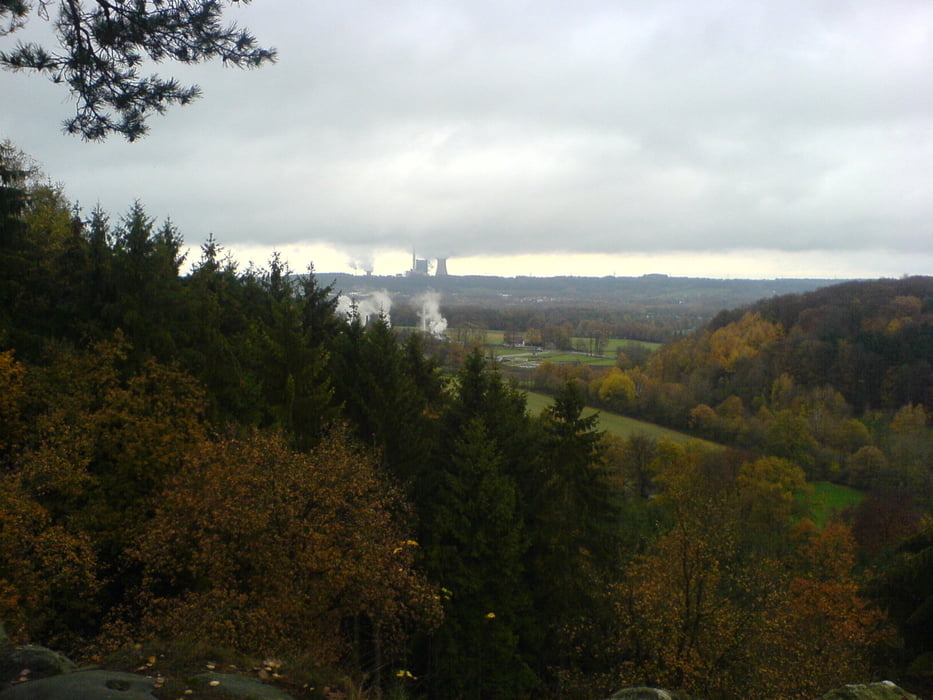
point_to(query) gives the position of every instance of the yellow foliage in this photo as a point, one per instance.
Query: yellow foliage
(768, 488)
(617, 387)
(742, 340)
(909, 419)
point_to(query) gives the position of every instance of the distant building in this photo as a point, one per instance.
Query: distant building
(419, 266)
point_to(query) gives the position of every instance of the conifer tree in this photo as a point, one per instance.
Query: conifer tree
(575, 532)
(218, 328)
(102, 44)
(380, 398)
(474, 543)
(296, 389)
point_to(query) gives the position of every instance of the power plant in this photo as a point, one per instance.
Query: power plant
(421, 267)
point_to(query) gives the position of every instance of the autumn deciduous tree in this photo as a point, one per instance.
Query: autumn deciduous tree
(121, 432)
(679, 626)
(263, 548)
(768, 496)
(49, 577)
(826, 630)
(742, 340)
(12, 394)
(788, 435)
(100, 440)
(909, 447)
(710, 610)
(617, 391)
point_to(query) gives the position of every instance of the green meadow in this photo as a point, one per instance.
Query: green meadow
(618, 425)
(828, 499)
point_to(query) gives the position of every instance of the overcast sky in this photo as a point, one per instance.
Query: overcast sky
(688, 137)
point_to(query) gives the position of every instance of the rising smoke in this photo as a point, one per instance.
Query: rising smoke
(429, 314)
(364, 262)
(367, 307)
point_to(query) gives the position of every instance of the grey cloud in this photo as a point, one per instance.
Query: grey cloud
(491, 127)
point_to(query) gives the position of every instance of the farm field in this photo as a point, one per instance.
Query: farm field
(828, 499)
(613, 344)
(494, 348)
(618, 425)
(577, 357)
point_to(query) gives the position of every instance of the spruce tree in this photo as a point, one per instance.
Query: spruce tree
(575, 532)
(380, 399)
(474, 543)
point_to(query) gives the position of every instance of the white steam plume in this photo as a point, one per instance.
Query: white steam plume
(430, 314)
(367, 307)
(364, 262)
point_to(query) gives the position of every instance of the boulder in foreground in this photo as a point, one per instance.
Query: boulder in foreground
(883, 690)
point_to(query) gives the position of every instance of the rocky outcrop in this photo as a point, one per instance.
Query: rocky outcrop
(885, 690)
(31, 662)
(37, 673)
(238, 686)
(641, 694)
(113, 685)
(84, 685)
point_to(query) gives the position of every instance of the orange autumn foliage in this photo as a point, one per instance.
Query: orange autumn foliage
(12, 395)
(709, 610)
(826, 629)
(48, 576)
(259, 547)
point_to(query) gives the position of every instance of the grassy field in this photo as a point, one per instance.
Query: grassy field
(613, 344)
(829, 499)
(495, 348)
(825, 501)
(502, 351)
(605, 361)
(616, 424)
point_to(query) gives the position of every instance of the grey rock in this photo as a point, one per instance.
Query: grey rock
(883, 690)
(238, 686)
(31, 662)
(84, 685)
(641, 694)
